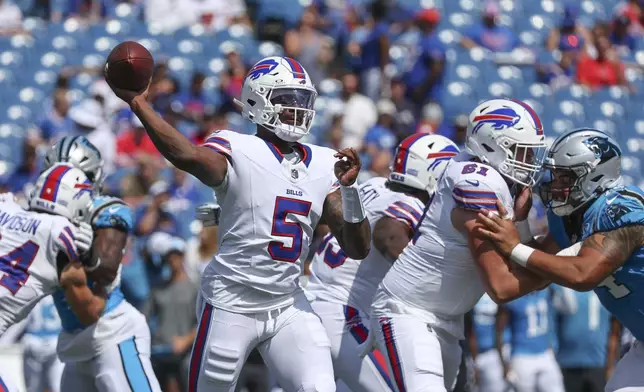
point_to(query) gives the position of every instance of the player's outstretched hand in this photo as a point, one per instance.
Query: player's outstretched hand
(83, 237)
(129, 95)
(499, 230)
(347, 167)
(523, 204)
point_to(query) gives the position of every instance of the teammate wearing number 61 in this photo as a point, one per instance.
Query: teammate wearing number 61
(588, 204)
(417, 317)
(273, 192)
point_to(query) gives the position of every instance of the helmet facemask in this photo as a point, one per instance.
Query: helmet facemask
(292, 112)
(523, 161)
(561, 189)
(286, 111)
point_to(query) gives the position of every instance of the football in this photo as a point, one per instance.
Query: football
(129, 66)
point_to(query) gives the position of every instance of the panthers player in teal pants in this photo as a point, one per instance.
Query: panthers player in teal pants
(112, 354)
(607, 218)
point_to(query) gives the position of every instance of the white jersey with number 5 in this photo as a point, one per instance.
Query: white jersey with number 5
(339, 279)
(29, 244)
(270, 205)
(436, 275)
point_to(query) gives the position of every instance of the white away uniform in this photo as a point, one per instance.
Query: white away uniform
(250, 294)
(343, 289)
(419, 306)
(112, 354)
(29, 245)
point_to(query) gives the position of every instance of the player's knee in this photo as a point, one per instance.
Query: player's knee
(222, 365)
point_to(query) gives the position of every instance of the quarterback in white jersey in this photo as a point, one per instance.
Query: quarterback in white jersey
(112, 352)
(273, 192)
(39, 246)
(419, 308)
(343, 288)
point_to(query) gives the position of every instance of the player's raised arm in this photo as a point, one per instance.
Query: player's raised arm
(343, 211)
(207, 165)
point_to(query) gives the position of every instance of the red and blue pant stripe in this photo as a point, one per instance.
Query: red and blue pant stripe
(199, 348)
(360, 334)
(392, 353)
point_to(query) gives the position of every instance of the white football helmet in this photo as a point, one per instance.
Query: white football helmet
(78, 152)
(63, 190)
(581, 165)
(278, 95)
(507, 135)
(421, 159)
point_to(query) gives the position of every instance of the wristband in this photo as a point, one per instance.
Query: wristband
(352, 208)
(93, 267)
(523, 227)
(520, 254)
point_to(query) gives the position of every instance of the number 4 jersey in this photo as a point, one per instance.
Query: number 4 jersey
(339, 279)
(436, 275)
(29, 245)
(270, 205)
(621, 293)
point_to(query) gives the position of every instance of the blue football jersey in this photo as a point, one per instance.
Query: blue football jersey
(583, 328)
(622, 293)
(558, 230)
(484, 324)
(106, 212)
(530, 323)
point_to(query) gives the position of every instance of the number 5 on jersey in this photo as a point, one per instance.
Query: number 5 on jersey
(282, 228)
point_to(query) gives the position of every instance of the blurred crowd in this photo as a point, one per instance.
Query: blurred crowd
(373, 94)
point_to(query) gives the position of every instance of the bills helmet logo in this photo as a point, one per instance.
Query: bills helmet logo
(261, 69)
(85, 187)
(498, 119)
(443, 155)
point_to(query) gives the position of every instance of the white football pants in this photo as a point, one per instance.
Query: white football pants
(628, 375)
(346, 330)
(420, 358)
(489, 369)
(537, 373)
(123, 367)
(291, 340)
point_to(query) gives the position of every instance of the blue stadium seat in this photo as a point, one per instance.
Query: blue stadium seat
(463, 73)
(64, 43)
(216, 66)
(449, 37)
(571, 109)
(189, 47)
(53, 60)
(561, 125)
(574, 92)
(126, 12)
(11, 59)
(511, 75)
(6, 78)
(105, 44)
(615, 93)
(632, 165)
(268, 48)
(19, 114)
(459, 21)
(499, 90)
